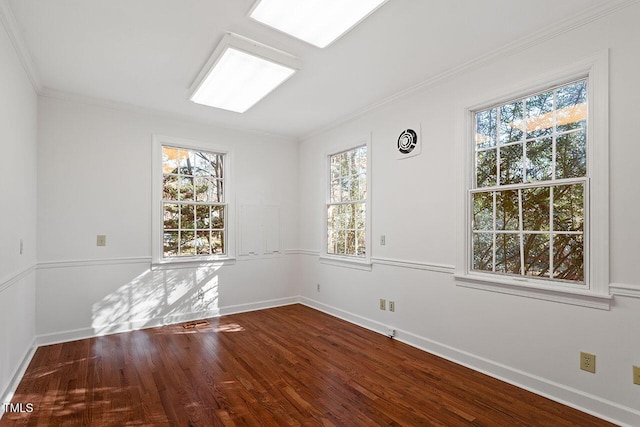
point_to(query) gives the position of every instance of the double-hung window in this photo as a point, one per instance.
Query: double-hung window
(535, 209)
(191, 210)
(193, 202)
(346, 207)
(530, 187)
(534, 202)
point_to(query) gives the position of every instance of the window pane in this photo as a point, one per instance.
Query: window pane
(362, 243)
(203, 164)
(345, 214)
(171, 215)
(486, 168)
(360, 219)
(217, 242)
(170, 187)
(568, 207)
(535, 209)
(203, 246)
(351, 242)
(568, 257)
(572, 106)
(483, 251)
(508, 253)
(539, 115)
(332, 242)
(511, 164)
(335, 194)
(571, 155)
(507, 210)
(170, 243)
(486, 126)
(186, 188)
(187, 243)
(536, 255)
(540, 159)
(511, 122)
(346, 185)
(204, 190)
(217, 217)
(203, 217)
(218, 166)
(187, 217)
(483, 211)
(344, 164)
(169, 160)
(332, 217)
(361, 159)
(362, 187)
(187, 159)
(334, 167)
(342, 241)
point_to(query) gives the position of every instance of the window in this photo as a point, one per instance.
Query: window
(346, 206)
(191, 201)
(530, 187)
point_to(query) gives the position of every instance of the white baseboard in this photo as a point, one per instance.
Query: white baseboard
(594, 405)
(7, 394)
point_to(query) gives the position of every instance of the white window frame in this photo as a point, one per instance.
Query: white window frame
(357, 262)
(595, 292)
(157, 250)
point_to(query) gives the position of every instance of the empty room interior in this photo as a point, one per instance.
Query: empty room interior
(263, 212)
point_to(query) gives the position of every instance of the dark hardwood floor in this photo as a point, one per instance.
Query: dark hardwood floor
(286, 366)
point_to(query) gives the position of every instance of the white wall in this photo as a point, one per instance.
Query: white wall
(18, 110)
(530, 342)
(95, 178)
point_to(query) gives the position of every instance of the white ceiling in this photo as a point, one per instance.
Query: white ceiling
(147, 53)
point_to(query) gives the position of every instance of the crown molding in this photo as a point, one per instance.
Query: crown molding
(11, 26)
(547, 33)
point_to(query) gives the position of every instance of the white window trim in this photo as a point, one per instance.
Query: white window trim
(156, 212)
(359, 263)
(597, 295)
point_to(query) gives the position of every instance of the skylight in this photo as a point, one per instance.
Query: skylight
(240, 73)
(318, 22)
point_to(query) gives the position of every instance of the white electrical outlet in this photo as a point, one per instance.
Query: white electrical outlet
(383, 240)
(101, 240)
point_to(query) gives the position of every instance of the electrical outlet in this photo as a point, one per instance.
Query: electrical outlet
(383, 304)
(392, 306)
(636, 375)
(318, 287)
(101, 240)
(383, 240)
(588, 362)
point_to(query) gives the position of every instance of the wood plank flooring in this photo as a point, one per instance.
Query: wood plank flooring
(287, 366)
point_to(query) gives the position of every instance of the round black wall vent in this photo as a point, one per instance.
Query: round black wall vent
(407, 141)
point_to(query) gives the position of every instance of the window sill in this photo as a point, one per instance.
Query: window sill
(192, 263)
(358, 264)
(584, 298)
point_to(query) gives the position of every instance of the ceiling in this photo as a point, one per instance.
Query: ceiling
(146, 53)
